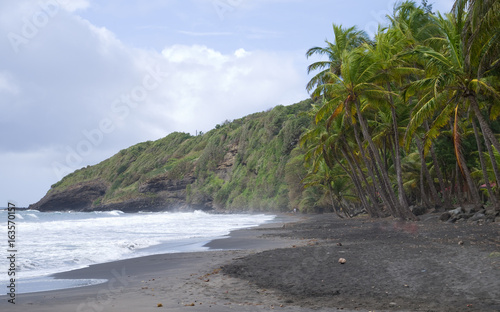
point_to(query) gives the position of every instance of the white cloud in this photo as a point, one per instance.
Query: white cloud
(212, 86)
(73, 5)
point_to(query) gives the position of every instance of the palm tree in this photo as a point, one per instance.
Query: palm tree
(347, 93)
(452, 86)
(345, 39)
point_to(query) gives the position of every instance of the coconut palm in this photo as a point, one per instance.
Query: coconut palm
(346, 94)
(453, 84)
(345, 39)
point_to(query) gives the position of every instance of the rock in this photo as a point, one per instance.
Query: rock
(497, 219)
(456, 212)
(470, 209)
(418, 210)
(466, 215)
(478, 216)
(491, 212)
(78, 197)
(342, 260)
(163, 183)
(445, 216)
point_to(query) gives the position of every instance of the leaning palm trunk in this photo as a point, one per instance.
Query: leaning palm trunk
(425, 201)
(493, 161)
(401, 211)
(426, 173)
(483, 167)
(461, 163)
(359, 188)
(397, 152)
(485, 128)
(380, 186)
(439, 174)
(370, 189)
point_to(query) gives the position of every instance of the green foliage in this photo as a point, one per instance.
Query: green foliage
(239, 165)
(403, 119)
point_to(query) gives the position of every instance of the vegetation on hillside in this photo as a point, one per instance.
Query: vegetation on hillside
(411, 117)
(239, 165)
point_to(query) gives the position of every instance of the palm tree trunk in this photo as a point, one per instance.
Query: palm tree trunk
(380, 188)
(403, 212)
(462, 164)
(458, 185)
(468, 179)
(485, 128)
(426, 173)
(483, 167)
(332, 202)
(397, 152)
(493, 161)
(369, 189)
(439, 174)
(359, 188)
(425, 201)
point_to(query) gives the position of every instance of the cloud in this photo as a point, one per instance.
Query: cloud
(73, 5)
(214, 86)
(204, 34)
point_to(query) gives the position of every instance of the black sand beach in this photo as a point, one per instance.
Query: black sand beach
(390, 266)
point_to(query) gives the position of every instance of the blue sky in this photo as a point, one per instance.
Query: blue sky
(82, 79)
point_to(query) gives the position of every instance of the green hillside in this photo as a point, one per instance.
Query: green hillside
(239, 165)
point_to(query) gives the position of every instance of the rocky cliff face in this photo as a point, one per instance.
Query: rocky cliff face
(159, 194)
(78, 197)
(164, 184)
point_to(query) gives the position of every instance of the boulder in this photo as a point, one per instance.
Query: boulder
(456, 211)
(418, 210)
(478, 216)
(445, 216)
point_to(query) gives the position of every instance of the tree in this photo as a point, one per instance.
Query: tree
(345, 39)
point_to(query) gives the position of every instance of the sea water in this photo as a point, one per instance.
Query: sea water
(52, 242)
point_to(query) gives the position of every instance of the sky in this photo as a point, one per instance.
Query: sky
(81, 80)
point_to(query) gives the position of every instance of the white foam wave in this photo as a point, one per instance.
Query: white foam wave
(55, 242)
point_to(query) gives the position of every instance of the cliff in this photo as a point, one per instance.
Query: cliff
(239, 165)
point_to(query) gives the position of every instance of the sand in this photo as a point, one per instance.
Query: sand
(389, 266)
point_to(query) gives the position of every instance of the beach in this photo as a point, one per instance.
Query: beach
(294, 266)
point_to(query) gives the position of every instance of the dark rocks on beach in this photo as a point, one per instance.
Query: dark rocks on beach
(418, 210)
(445, 216)
(470, 214)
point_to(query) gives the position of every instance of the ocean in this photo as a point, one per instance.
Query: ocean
(53, 242)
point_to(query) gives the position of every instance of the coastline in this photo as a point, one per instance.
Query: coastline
(174, 280)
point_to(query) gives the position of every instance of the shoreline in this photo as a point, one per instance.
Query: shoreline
(45, 281)
(130, 281)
